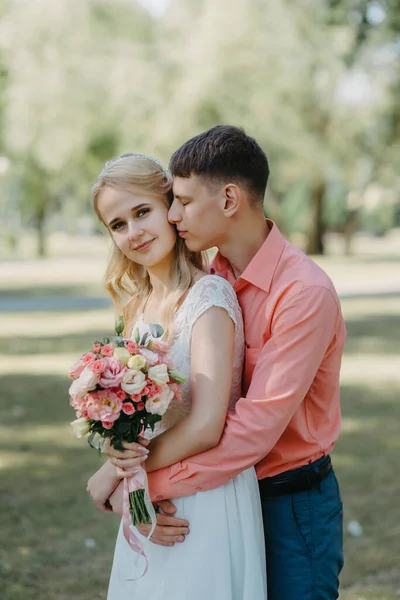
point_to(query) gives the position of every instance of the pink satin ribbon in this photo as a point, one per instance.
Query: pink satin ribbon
(132, 484)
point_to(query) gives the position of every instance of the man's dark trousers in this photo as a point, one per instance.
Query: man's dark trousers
(303, 537)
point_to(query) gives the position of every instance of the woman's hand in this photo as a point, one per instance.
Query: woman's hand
(128, 461)
(116, 499)
(102, 484)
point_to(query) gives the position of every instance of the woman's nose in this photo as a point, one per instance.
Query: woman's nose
(135, 230)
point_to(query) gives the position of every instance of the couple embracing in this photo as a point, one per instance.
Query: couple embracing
(248, 503)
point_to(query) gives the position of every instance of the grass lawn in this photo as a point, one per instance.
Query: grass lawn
(57, 546)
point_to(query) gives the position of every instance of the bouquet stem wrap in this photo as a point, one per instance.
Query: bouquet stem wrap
(137, 509)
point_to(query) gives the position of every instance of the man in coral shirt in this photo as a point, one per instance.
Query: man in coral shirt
(289, 417)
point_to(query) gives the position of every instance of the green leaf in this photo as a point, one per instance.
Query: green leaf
(156, 330)
(144, 338)
(119, 325)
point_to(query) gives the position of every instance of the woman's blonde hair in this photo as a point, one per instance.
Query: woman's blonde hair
(127, 282)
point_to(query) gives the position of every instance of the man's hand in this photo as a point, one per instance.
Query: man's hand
(168, 529)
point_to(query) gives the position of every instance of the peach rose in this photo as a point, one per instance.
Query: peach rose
(98, 366)
(131, 347)
(107, 350)
(128, 408)
(88, 358)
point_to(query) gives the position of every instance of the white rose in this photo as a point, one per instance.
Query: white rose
(85, 383)
(133, 382)
(137, 362)
(81, 427)
(159, 403)
(122, 354)
(159, 374)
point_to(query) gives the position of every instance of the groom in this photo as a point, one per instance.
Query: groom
(289, 417)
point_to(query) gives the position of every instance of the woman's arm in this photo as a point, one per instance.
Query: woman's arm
(212, 348)
(102, 484)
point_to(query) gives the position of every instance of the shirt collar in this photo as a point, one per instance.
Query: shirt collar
(261, 269)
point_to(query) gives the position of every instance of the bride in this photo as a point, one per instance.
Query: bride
(153, 278)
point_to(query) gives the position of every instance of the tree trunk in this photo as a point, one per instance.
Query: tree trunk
(315, 243)
(41, 246)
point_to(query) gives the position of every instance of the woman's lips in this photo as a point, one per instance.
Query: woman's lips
(143, 247)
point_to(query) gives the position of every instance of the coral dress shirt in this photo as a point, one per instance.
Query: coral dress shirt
(289, 414)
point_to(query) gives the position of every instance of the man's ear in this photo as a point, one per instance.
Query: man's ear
(232, 198)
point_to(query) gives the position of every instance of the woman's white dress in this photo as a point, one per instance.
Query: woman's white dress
(223, 557)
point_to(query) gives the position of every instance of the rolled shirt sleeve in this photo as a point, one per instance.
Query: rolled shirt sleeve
(303, 328)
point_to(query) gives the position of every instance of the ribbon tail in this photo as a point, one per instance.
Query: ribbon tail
(132, 484)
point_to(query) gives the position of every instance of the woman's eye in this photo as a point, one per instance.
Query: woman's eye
(142, 212)
(117, 226)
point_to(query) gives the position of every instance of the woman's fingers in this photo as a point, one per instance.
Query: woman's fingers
(133, 450)
(130, 471)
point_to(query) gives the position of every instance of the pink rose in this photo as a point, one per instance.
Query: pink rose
(131, 347)
(140, 406)
(136, 397)
(98, 366)
(88, 358)
(128, 408)
(121, 394)
(76, 369)
(153, 390)
(107, 424)
(97, 348)
(113, 373)
(103, 405)
(107, 350)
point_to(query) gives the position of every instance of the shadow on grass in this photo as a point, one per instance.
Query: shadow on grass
(373, 334)
(48, 290)
(78, 343)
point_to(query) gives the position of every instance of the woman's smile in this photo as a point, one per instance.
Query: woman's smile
(143, 247)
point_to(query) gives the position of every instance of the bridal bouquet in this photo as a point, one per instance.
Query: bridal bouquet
(120, 388)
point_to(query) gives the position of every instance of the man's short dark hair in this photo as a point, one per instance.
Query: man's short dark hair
(222, 154)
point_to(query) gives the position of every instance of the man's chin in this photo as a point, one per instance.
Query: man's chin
(196, 246)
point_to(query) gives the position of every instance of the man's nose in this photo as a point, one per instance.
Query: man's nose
(174, 213)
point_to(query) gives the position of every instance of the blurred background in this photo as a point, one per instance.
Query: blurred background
(317, 82)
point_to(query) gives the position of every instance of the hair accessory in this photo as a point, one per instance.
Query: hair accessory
(111, 161)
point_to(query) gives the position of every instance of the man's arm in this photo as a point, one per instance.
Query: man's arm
(304, 327)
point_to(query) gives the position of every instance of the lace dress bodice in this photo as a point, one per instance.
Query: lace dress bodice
(210, 290)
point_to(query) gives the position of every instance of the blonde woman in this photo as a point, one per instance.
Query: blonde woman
(153, 278)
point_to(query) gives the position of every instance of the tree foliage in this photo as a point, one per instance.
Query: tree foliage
(317, 83)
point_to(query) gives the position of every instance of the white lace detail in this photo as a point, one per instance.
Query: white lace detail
(210, 290)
